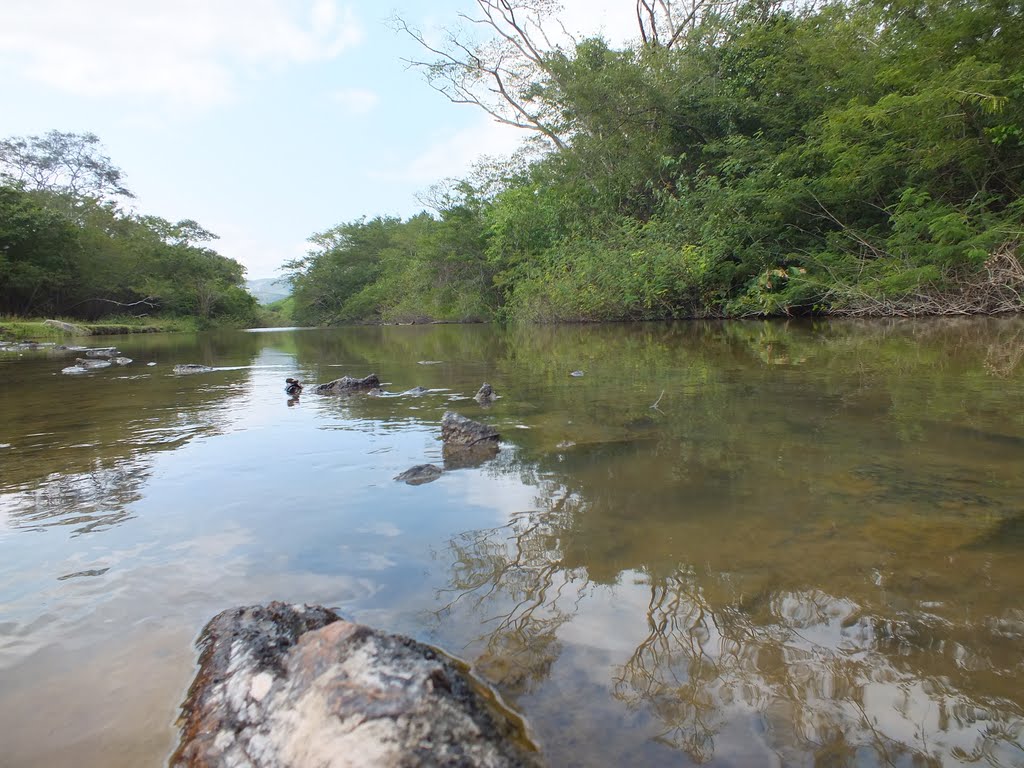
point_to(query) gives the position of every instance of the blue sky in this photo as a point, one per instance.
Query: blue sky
(264, 120)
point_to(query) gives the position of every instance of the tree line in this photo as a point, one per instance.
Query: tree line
(70, 247)
(739, 158)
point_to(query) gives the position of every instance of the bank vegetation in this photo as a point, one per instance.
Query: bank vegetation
(737, 159)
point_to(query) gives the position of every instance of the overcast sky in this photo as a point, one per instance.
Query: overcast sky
(264, 120)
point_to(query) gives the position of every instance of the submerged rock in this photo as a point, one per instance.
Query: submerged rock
(190, 368)
(416, 391)
(121, 360)
(420, 474)
(347, 384)
(101, 352)
(296, 685)
(486, 394)
(92, 365)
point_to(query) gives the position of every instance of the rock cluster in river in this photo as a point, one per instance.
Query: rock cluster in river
(296, 685)
(346, 385)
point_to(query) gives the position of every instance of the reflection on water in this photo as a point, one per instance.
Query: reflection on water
(726, 544)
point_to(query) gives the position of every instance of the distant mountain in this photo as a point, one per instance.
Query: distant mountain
(269, 289)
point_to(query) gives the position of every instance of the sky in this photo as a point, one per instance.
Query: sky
(263, 120)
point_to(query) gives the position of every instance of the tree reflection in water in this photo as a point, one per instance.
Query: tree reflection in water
(814, 675)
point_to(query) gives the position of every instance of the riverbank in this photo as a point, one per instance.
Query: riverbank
(37, 329)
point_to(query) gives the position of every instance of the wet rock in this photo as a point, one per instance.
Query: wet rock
(150, 365)
(190, 368)
(429, 362)
(121, 360)
(485, 395)
(74, 330)
(416, 391)
(74, 370)
(467, 443)
(457, 430)
(92, 365)
(577, 374)
(101, 352)
(296, 685)
(347, 384)
(420, 474)
(28, 346)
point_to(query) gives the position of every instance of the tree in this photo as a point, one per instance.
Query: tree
(67, 164)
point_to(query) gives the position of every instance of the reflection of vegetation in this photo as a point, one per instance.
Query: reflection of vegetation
(81, 459)
(824, 519)
(521, 560)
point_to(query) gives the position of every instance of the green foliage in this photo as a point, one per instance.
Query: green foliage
(849, 157)
(66, 248)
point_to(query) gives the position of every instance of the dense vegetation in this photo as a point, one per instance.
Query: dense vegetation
(68, 247)
(747, 158)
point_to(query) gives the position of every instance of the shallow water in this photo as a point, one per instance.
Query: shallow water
(808, 553)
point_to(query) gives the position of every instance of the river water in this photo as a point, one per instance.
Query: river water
(724, 544)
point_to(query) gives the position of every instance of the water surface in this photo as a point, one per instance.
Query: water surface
(724, 544)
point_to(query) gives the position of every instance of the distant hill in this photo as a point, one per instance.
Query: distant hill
(269, 289)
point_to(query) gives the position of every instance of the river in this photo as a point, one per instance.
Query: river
(724, 544)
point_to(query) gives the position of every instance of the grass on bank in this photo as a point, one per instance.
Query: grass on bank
(13, 328)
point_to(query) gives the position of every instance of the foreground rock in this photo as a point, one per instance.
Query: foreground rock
(420, 474)
(283, 685)
(347, 384)
(467, 443)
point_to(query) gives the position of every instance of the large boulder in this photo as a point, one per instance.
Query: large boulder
(295, 685)
(70, 328)
(346, 385)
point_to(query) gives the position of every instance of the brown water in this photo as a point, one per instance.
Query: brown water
(809, 553)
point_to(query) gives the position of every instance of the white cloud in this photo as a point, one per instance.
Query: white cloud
(185, 52)
(455, 155)
(356, 101)
(260, 257)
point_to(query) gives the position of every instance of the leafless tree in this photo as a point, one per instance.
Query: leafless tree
(64, 163)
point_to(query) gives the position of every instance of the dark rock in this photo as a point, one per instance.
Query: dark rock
(420, 474)
(485, 395)
(346, 385)
(101, 352)
(296, 685)
(190, 368)
(92, 365)
(467, 443)
(458, 431)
